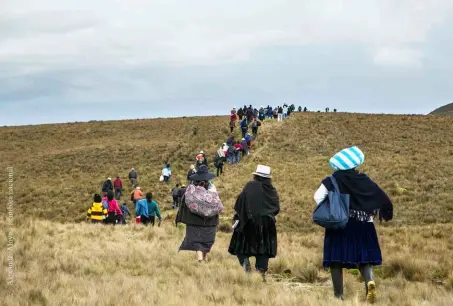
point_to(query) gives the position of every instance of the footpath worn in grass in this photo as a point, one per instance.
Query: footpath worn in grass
(57, 168)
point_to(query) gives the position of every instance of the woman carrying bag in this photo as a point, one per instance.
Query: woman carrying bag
(200, 209)
(354, 244)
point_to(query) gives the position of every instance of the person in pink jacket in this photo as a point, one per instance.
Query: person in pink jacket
(114, 211)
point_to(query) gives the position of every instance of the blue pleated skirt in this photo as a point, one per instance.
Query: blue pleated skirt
(356, 244)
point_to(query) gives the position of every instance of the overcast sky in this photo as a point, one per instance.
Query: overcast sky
(67, 60)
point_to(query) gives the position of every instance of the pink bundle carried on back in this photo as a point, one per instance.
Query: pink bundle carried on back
(203, 202)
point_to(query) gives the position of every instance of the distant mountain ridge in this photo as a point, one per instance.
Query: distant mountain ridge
(444, 110)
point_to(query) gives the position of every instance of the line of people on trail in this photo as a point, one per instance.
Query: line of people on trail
(117, 185)
(347, 200)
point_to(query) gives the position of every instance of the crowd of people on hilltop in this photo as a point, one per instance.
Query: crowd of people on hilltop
(353, 244)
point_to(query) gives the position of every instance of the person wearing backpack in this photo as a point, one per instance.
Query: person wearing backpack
(255, 233)
(355, 245)
(199, 211)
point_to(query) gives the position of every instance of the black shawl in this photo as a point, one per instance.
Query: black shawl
(365, 194)
(257, 199)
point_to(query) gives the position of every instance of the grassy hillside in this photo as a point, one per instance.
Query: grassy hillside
(58, 167)
(444, 110)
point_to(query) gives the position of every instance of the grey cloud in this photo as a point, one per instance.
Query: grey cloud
(106, 60)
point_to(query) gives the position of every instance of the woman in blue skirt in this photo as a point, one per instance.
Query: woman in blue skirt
(356, 245)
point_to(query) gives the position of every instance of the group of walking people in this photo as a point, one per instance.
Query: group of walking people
(106, 209)
(247, 115)
(355, 245)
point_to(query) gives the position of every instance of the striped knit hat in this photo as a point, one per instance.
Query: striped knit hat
(347, 159)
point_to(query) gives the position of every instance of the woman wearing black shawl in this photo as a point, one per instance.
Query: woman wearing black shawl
(356, 245)
(255, 233)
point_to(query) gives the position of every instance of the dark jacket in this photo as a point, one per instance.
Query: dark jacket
(181, 192)
(244, 144)
(218, 162)
(175, 191)
(230, 141)
(257, 199)
(132, 175)
(107, 186)
(187, 217)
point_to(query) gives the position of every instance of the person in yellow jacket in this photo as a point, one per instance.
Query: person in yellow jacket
(97, 213)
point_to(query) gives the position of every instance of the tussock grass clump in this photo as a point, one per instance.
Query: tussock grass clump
(407, 267)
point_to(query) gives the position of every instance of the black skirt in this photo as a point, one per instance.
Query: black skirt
(259, 237)
(199, 238)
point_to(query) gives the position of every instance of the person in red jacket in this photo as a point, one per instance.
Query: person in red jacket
(238, 148)
(118, 186)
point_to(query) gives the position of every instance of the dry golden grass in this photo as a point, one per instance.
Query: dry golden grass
(81, 264)
(58, 167)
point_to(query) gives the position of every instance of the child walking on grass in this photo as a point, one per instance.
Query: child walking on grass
(125, 210)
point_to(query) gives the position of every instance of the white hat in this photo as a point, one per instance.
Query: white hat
(132, 169)
(109, 179)
(138, 188)
(263, 171)
(201, 152)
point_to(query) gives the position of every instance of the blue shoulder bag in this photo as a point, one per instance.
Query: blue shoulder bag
(333, 212)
